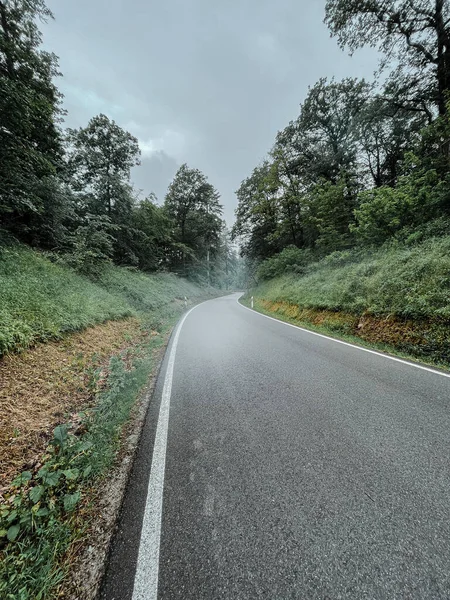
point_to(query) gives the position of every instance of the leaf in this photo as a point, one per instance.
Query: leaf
(85, 446)
(60, 435)
(3, 533)
(49, 478)
(71, 474)
(13, 532)
(87, 471)
(36, 493)
(71, 500)
(22, 479)
(12, 516)
(42, 512)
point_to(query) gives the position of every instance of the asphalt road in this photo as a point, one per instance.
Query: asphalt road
(296, 467)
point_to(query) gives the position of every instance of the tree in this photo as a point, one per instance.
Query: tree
(412, 33)
(192, 204)
(328, 127)
(331, 212)
(257, 214)
(153, 241)
(385, 134)
(30, 144)
(99, 160)
(291, 186)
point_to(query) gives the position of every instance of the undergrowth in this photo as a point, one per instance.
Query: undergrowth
(401, 280)
(41, 300)
(42, 512)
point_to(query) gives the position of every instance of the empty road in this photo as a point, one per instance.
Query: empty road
(290, 466)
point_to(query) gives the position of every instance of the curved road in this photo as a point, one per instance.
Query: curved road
(295, 467)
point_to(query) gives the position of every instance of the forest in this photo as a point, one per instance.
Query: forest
(366, 163)
(67, 192)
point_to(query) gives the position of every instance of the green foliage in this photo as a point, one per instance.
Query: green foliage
(257, 214)
(91, 245)
(30, 145)
(155, 237)
(382, 212)
(289, 260)
(40, 300)
(411, 33)
(192, 204)
(35, 523)
(38, 518)
(407, 281)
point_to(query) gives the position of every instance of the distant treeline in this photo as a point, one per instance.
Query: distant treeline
(363, 163)
(68, 192)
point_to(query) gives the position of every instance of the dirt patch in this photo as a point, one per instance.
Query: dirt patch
(419, 338)
(88, 559)
(41, 386)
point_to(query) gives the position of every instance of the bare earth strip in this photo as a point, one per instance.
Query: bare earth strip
(43, 386)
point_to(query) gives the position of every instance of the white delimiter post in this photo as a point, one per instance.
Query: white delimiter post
(252, 301)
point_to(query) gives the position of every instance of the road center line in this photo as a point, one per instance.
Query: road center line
(146, 577)
(399, 360)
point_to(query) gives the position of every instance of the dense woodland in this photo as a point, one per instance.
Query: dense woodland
(68, 192)
(366, 163)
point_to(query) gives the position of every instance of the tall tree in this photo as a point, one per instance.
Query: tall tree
(328, 127)
(30, 145)
(153, 240)
(385, 134)
(192, 203)
(412, 33)
(257, 214)
(99, 160)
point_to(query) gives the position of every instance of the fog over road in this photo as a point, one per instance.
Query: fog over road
(295, 467)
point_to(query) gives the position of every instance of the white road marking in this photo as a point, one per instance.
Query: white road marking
(404, 362)
(146, 577)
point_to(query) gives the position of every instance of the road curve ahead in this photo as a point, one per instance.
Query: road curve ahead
(295, 467)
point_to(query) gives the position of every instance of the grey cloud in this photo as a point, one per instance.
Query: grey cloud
(154, 174)
(208, 82)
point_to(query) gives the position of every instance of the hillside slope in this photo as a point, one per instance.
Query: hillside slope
(398, 295)
(41, 300)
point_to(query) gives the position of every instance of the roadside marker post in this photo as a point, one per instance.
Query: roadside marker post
(252, 301)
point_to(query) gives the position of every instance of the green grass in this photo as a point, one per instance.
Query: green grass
(40, 300)
(44, 525)
(33, 565)
(410, 282)
(405, 288)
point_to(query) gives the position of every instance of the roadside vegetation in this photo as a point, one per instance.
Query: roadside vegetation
(349, 213)
(397, 296)
(46, 512)
(64, 403)
(42, 300)
(93, 275)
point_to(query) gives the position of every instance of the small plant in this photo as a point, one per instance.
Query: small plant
(35, 517)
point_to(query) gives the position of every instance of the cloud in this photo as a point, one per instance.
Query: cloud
(154, 174)
(202, 82)
(170, 142)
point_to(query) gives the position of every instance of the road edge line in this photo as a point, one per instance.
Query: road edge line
(327, 337)
(147, 567)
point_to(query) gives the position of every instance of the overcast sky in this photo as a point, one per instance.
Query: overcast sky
(207, 82)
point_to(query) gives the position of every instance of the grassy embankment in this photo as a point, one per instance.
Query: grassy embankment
(64, 403)
(396, 298)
